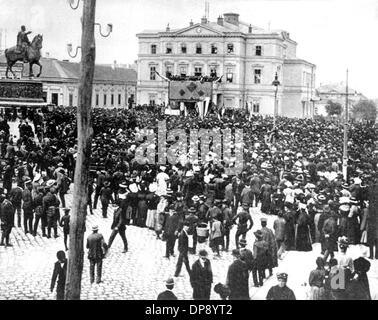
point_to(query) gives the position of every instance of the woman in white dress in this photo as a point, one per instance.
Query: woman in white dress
(160, 216)
(161, 180)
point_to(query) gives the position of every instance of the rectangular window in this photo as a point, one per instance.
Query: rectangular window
(168, 71)
(97, 100)
(153, 49)
(257, 76)
(169, 49)
(119, 99)
(104, 100)
(256, 107)
(183, 49)
(230, 48)
(258, 51)
(198, 71)
(213, 71)
(70, 103)
(112, 100)
(153, 73)
(183, 71)
(199, 49)
(214, 49)
(230, 75)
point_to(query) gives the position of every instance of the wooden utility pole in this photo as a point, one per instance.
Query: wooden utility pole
(345, 143)
(85, 132)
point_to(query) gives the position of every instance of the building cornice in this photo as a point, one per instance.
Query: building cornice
(77, 81)
(243, 36)
(299, 61)
(226, 57)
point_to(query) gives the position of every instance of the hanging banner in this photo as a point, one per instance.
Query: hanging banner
(189, 91)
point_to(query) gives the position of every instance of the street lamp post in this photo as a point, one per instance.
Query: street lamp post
(275, 83)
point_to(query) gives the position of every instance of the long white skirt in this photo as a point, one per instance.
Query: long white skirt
(150, 221)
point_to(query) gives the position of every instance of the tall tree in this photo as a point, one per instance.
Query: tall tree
(334, 108)
(85, 133)
(365, 110)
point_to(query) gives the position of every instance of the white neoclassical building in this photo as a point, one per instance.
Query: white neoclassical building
(247, 56)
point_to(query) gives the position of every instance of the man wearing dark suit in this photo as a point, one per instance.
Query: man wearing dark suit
(119, 226)
(97, 251)
(255, 184)
(51, 209)
(65, 224)
(28, 207)
(201, 277)
(192, 219)
(106, 197)
(60, 272)
(7, 212)
(183, 247)
(237, 278)
(171, 226)
(99, 184)
(168, 294)
(7, 178)
(15, 196)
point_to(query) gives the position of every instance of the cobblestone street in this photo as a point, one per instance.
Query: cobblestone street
(140, 274)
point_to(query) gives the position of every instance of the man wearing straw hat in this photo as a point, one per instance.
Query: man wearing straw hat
(119, 227)
(243, 227)
(97, 250)
(192, 219)
(183, 247)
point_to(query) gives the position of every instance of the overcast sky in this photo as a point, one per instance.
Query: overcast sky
(333, 34)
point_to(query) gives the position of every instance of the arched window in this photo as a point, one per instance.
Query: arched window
(183, 48)
(168, 48)
(198, 48)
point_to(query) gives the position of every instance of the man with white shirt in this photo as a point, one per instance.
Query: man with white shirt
(183, 247)
(59, 273)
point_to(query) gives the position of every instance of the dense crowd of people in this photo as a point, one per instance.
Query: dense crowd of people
(293, 171)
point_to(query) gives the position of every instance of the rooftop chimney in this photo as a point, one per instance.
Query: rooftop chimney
(191, 23)
(168, 28)
(114, 64)
(47, 55)
(232, 18)
(220, 20)
(250, 29)
(203, 20)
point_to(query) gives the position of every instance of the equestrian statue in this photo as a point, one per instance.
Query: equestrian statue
(26, 51)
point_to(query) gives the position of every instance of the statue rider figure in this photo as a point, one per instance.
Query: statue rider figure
(23, 43)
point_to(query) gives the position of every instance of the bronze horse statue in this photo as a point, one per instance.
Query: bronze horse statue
(33, 55)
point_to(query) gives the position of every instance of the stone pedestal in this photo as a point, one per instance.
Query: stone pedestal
(21, 91)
